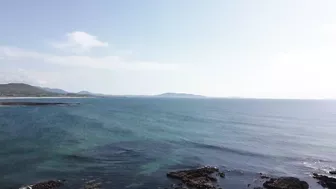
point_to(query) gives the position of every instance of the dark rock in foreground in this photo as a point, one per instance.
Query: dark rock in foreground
(286, 183)
(324, 181)
(197, 178)
(35, 103)
(262, 176)
(51, 184)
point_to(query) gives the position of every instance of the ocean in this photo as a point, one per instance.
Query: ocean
(133, 142)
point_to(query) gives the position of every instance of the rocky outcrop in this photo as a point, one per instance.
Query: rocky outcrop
(51, 184)
(285, 183)
(54, 184)
(92, 184)
(332, 172)
(262, 176)
(201, 178)
(325, 181)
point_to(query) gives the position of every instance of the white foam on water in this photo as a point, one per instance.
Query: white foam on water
(319, 166)
(27, 187)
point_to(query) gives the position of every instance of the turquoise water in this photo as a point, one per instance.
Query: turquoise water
(133, 142)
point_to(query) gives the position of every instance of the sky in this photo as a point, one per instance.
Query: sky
(218, 48)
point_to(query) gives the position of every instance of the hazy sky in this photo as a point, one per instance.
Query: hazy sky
(259, 48)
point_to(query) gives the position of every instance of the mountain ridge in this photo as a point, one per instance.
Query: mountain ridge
(26, 90)
(55, 90)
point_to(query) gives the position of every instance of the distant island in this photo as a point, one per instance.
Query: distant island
(25, 90)
(179, 95)
(85, 93)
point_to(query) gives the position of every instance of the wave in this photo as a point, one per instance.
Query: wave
(319, 166)
(78, 158)
(258, 155)
(227, 149)
(190, 118)
(249, 123)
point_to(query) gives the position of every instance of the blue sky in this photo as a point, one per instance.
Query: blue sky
(258, 49)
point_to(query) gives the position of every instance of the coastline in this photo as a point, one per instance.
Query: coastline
(209, 177)
(51, 97)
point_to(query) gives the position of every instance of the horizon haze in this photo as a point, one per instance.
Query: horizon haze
(260, 49)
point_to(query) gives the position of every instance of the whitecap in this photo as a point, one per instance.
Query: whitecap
(27, 187)
(319, 166)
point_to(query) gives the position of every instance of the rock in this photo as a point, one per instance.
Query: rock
(264, 177)
(331, 185)
(92, 184)
(51, 184)
(222, 174)
(285, 183)
(196, 178)
(324, 181)
(332, 172)
(304, 184)
(323, 177)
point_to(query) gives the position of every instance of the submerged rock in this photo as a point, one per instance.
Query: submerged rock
(51, 184)
(196, 178)
(325, 181)
(285, 183)
(92, 184)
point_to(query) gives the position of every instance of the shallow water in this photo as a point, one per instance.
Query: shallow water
(133, 142)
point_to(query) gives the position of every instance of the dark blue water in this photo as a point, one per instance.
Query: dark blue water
(134, 142)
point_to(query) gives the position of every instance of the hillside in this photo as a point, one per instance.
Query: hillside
(54, 90)
(179, 95)
(25, 90)
(21, 89)
(85, 93)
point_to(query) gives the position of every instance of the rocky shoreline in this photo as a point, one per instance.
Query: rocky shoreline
(325, 181)
(206, 178)
(197, 178)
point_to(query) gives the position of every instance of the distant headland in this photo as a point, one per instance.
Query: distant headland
(22, 90)
(179, 95)
(25, 90)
